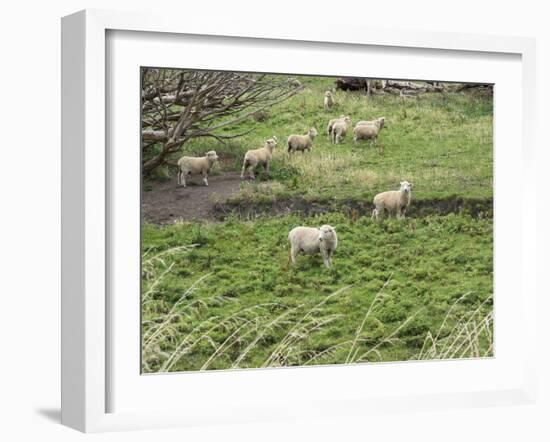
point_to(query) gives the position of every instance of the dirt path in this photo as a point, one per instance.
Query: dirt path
(166, 202)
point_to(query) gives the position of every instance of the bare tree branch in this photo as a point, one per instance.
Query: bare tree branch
(178, 105)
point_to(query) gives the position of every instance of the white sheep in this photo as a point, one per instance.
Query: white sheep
(393, 201)
(301, 142)
(340, 129)
(334, 120)
(259, 157)
(328, 101)
(371, 122)
(196, 166)
(312, 240)
(368, 130)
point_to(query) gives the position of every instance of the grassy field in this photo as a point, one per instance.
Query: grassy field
(440, 142)
(218, 295)
(238, 272)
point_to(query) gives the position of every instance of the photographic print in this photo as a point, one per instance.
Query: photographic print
(295, 220)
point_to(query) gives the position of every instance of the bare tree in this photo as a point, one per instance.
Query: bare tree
(179, 105)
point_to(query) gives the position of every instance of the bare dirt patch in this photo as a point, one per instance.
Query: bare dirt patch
(166, 202)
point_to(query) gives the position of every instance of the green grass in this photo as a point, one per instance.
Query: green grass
(441, 142)
(223, 295)
(238, 302)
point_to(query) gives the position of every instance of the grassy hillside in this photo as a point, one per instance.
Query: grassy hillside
(239, 272)
(442, 143)
(218, 295)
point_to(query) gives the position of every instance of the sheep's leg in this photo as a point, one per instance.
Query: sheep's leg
(183, 179)
(251, 172)
(377, 145)
(243, 170)
(266, 167)
(179, 178)
(326, 257)
(293, 253)
(374, 214)
(328, 260)
(205, 179)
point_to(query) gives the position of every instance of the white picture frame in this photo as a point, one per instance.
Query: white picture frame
(87, 208)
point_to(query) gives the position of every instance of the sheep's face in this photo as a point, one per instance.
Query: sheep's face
(405, 186)
(312, 133)
(347, 120)
(381, 122)
(328, 94)
(326, 232)
(212, 156)
(271, 143)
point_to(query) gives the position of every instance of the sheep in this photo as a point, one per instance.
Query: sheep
(261, 156)
(368, 130)
(312, 240)
(340, 129)
(196, 166)
(395, 201)
(334, 120)
(328, 101)
(301, 142)
(380, 121)
(294, 82)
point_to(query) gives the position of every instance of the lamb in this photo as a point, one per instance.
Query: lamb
(256, 157)
(329, 100)
(334, 120)
(312, 240)
(196, 166)
(368, 130)
(393, 201)
(340, 129)
(301, 142)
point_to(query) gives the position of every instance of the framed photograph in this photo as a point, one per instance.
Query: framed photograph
(254, 231)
